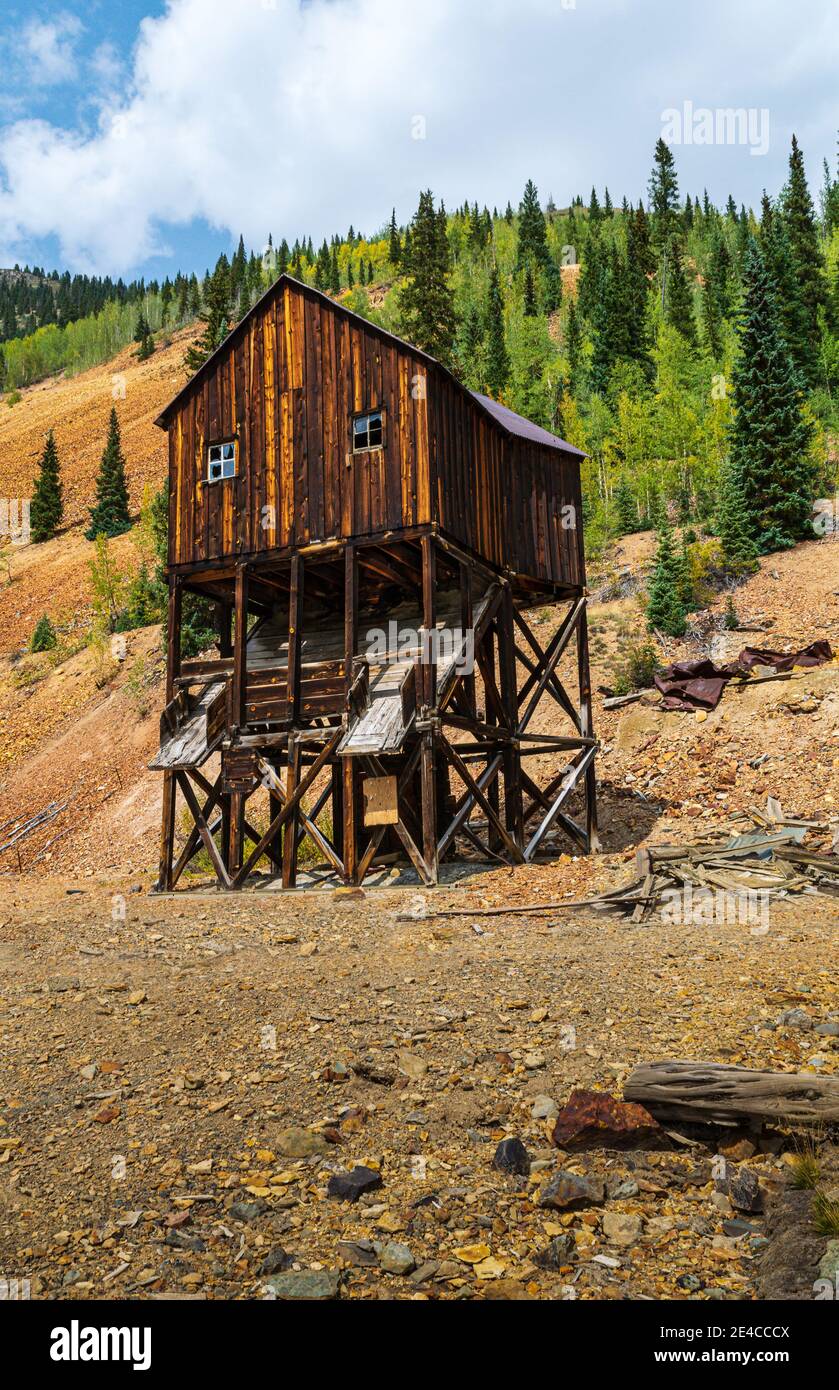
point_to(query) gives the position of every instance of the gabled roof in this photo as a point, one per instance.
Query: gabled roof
(511, 423)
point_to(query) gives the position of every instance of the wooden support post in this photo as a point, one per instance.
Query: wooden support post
(428, 792)
(293, 822)
(237, 832)
(337, 803)
(467, 621)
(350, 616)
(226, 837)
(513, 814)
(295, 625)
(494, 840)
(173, 648)
(587, 729)
(429, 622)
(167, 838)
(240, 677)
(350, 777)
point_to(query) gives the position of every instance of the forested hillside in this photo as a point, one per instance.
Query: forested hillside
(691, 351)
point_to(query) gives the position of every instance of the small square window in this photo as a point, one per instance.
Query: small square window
(367, 431)
(221, 461)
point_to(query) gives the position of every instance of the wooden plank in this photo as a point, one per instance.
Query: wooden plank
(240, 648)
(295, 625)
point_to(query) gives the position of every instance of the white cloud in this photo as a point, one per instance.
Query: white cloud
(48, 49)
(297, 118)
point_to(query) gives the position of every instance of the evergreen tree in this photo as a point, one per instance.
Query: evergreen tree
(334, 273)
(498, 358)
(663, 197)
(626, 508)
(785, 287)
(110, 515)
(529, 294)
(807, 262)
(665, 607)
(215, 317)
(533, 243)
(770, 438)
(739, 551)
(43, 638)
(573, 346)
(426, 301)
(678, 298)
(552, 291)
(395, 245)
(47, 505)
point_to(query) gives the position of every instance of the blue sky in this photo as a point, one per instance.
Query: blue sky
(138, 137)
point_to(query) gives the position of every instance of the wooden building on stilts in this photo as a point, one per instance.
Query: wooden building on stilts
(371, 535)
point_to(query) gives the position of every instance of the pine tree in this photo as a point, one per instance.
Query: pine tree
(663, 197)
(395, 245)
(665, 608)
(110, 515)
(786, 288)
(426, 301)
(739, 551)
(334, 273)
(533, 243)
(769, 437)
(498, 358)
(552, 291)
(43, 638)
(573, 345)
(529, 294)
(678, 299)
(626, 508)
(47, 505)
(215, 316)
(807, 261)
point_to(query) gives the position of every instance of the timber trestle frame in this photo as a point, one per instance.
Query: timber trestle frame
(299, 712)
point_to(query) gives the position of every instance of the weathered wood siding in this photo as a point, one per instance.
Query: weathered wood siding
(287, 388)
(504, 496)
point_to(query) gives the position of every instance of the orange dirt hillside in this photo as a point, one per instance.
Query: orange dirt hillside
(77, 409)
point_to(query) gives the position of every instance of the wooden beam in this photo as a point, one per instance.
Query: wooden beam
(290, 831)
(587, 729)
(203, 829)
(165, 881)
(350, 616)
(173, 630)
(240, 646)
(473, 786)
(295, 626)
(549, 660)
(429, 621)
(280, 820)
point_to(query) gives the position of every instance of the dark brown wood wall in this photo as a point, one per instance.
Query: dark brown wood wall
(501, 495)
(287, 390)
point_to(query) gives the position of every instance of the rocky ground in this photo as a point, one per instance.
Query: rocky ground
(184, 1077)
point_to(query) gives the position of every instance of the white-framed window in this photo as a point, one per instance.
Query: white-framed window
(221, 461)
(367, 431)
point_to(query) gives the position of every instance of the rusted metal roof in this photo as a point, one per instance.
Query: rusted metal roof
(525, 429)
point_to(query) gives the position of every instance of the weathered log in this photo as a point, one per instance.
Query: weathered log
(713, 1092)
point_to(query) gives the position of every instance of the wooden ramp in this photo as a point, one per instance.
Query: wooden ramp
(382, 728)
(191, 727)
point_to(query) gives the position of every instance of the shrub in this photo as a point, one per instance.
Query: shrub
(43, 638)
(636, 667)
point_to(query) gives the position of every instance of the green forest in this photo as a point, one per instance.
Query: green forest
(692, 351)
